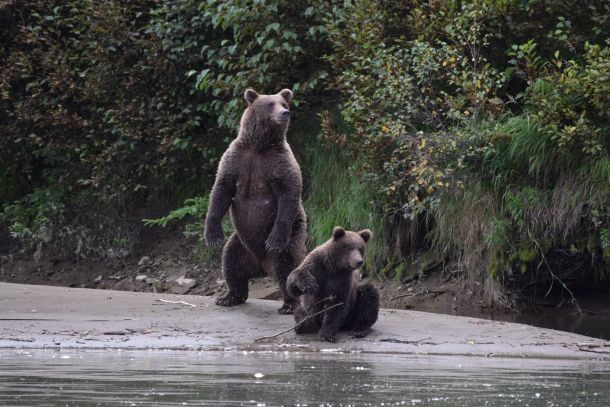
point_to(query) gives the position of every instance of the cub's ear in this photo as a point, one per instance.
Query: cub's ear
(250, 95)
(286, 94)
(366, 235)
(338, 232)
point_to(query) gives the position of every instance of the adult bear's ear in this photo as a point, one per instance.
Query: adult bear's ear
(338, 232)
(366, 235)
(286, 94)
(250, 95)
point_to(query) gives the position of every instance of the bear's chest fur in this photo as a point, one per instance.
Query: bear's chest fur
(255, 204)
(254, 176)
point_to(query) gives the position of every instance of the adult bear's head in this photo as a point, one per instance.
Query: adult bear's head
(265, 120)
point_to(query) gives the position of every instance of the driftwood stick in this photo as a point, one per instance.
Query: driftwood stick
(303, 320)
(177, 302)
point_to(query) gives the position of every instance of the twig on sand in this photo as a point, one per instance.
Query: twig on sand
(177, 302)
(583, 349)
(591, 347)
(302, 321)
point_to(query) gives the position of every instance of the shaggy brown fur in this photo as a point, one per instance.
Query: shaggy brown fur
(260, 181)
(325, 278)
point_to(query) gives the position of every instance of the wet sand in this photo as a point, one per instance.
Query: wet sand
(55, 317)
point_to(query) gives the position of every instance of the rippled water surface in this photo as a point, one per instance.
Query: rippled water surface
(164, 378)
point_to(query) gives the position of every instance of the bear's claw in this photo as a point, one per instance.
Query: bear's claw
(229, 300)
(328, 338)
(360, 334)
(276, 244)
(286, 309)
(214, 238)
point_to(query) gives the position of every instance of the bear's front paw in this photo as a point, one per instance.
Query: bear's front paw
(286, 309)
(327, 338)
(360, 334)
(275, 243)
(214, 236)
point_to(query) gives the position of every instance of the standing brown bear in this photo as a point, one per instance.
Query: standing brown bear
(325, 279)
(260, 180)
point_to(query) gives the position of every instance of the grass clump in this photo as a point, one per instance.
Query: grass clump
(335, 195)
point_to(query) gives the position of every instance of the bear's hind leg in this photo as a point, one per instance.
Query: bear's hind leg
(285, 263)
(238, 265)
(365, 311)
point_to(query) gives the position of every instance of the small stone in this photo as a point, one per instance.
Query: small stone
(151, 280)
(182, 285)
(98, 279)
(144, 261)
(141, 277)
(125, 285)
(185, 282)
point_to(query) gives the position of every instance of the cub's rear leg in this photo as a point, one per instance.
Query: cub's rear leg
(238, 265)
(365, 311)
(309, 326)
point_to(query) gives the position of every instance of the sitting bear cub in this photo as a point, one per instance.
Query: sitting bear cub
(325, 279)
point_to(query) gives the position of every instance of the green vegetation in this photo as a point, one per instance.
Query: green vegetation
(336, 195)
(473, 133)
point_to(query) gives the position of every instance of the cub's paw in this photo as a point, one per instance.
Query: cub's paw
(214, 236)
(360, 334)
(229, 300)
(327, 338)
(286, 309)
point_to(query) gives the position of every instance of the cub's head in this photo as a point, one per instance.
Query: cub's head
(266, 118)
(347, 248)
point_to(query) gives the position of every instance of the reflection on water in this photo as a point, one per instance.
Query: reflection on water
(147, 378)
(589, 325)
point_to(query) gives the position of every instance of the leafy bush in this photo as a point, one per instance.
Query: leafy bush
(490, 135)
(103, 109)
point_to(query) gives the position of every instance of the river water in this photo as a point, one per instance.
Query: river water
(169, 378)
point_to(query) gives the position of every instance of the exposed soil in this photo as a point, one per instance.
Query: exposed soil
(166, 262)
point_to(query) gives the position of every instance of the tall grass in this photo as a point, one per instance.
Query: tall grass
(336, 196)
(535, 212)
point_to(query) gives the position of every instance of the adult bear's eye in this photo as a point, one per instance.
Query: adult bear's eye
(270, 103)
